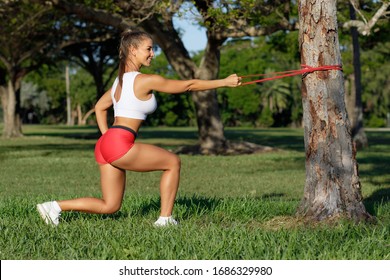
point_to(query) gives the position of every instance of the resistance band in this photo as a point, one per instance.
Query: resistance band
(279, 75)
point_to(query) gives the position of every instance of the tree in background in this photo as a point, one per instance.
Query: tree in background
(32, 35)
(83, 95)
(376, 94)
(267, 104)
(354, 86)
(97, 55)
(223, 19)
(374, 25)
(332, 188)
(24, 46)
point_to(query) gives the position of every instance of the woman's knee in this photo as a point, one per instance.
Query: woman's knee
(111, 208)
(175, 162)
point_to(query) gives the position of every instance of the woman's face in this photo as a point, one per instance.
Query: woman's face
(144, 53)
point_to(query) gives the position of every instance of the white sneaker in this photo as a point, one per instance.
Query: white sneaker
(49, 212)
(165, 221)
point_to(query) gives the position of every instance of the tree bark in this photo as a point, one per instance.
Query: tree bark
(332, 187)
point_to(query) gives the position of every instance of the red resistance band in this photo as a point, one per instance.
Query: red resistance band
(280, 75)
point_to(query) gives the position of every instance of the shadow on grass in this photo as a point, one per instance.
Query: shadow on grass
(168, 134)
(272, 195)
(379, 166)
(290, 139)
(378, 137)
(52, 147)
(276, 138)
(376, 172)
(69, 135)
(186, 207)
(197, 205)
(381, 196)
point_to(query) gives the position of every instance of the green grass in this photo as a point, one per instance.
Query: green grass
(229, 207)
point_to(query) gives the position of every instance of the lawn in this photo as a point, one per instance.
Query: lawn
(229, 207)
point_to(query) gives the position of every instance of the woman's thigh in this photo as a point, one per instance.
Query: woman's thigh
(145, 157)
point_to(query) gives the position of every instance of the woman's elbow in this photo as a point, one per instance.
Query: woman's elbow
(99, 107)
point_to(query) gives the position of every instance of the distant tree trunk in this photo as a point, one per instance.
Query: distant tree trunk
(9, 101)
(350, 96)
(69, 119)
(332, 188)
(79, 114)
(358, 134)
(82, 120)
(210, 127)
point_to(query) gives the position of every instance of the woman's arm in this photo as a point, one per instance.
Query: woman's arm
(101, 108)
(158, 83)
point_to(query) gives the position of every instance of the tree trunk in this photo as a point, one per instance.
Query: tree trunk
(79, 114)
(69, 120)
(358, 134)
(332, 187)
(12, 123)
(211, 134)
(86, 116)
(350, 96)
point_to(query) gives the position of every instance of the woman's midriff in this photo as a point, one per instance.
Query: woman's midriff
(134, 124)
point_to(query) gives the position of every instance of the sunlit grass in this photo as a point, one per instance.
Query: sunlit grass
(229, 207)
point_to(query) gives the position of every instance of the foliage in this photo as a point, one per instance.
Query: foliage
(375, 54)
(174, 109)
(82, 88)
(34, 103)
(376, 69)
(50, 81)
(253, 104)
(257, 13)
(96, 53)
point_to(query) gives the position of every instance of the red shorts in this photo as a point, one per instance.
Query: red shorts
(114, 144)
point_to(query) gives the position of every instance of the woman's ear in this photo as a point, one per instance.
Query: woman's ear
(133, 50)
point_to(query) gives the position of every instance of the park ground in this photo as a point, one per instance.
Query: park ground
(229, 207)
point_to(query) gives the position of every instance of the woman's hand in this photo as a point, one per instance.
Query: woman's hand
(233, 80)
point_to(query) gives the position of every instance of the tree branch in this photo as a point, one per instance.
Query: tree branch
(363, 26)
(90, 14)
(241, 29)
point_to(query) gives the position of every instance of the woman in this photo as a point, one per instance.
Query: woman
(132, 98)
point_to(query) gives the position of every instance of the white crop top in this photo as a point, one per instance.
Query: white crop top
(129, 106)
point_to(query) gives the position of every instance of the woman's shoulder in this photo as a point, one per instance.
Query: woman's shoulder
(131, 73)
(149, 76)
